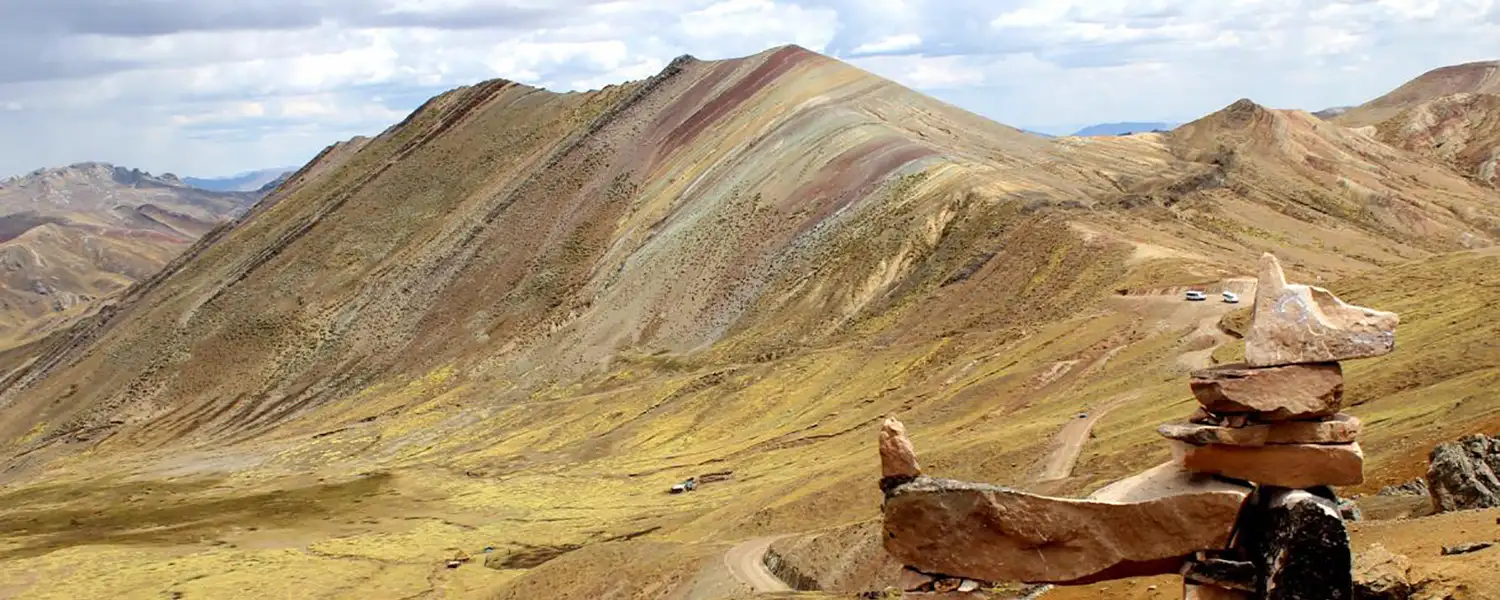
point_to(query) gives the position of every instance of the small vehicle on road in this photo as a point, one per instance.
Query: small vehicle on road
(1231, 298)
(1196, 296)
(686, 486)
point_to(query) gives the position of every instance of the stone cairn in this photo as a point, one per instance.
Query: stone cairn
(1244, 510)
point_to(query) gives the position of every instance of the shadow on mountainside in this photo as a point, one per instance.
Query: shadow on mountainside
(153, 512)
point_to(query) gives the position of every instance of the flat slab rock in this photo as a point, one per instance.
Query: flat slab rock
(1338, 429)
(1271, 393)
(994, 533)
(1287, 465)
(1294, 324)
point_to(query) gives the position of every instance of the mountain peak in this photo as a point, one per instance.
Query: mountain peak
(1240, 116)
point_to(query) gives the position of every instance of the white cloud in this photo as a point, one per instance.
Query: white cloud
(208, 87)
(892, 43)
(926, 72)
(741, 26)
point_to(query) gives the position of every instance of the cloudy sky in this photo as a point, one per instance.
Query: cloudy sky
(213, 87)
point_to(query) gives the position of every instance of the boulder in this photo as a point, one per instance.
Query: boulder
(1284, 465)
(1338, 429)
(898, 460)
(1301, 546)
(1296, 324)
(1380, 574)
(1271, 393)
(1462, 475)
(988, 532)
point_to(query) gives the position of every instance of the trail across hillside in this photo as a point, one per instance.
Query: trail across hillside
(746, 561)
(1068, 443)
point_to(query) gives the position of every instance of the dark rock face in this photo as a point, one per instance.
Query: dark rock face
(1462, 475)
(1225, 573)
(1300, 543)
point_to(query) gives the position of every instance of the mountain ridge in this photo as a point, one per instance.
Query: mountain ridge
(1124, 128)
(247, 181)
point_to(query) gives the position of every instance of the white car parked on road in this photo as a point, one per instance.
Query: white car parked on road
(1231, 298)
(1195, 296)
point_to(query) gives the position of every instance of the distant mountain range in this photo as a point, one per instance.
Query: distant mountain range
(1123, 128)
(72, 235)
(248, 181)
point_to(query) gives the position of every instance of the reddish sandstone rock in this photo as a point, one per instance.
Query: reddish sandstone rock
(1339, 429)
(1287, 466)
(1272, 394)
(897, 457)
(994, 533)
(1295, 324)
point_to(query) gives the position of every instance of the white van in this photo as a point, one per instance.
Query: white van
(1231, 298)
(1195, 296)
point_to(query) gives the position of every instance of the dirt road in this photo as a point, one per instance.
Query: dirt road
(1068, 443)
(746, 562)
(1169, 311)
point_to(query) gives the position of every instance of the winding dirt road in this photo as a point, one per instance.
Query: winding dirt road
(746, 562)
(1068, 443)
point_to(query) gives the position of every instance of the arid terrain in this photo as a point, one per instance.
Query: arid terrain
(503, 329)
(73, 237)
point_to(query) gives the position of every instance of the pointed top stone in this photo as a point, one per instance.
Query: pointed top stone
(897, 457)
(1295, 324)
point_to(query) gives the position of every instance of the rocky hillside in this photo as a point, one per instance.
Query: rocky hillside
(74, 235)
(1451, 115)
(1469, 78)
(517, 317)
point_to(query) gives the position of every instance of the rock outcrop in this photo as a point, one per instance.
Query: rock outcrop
(1298, 324)
(1415, 487)
(1272, 393)
(1462, 475)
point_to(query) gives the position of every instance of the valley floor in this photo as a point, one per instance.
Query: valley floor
(569, 490)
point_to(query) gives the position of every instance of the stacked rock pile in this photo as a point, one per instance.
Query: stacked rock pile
(1245, 510)
(1274, 421)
